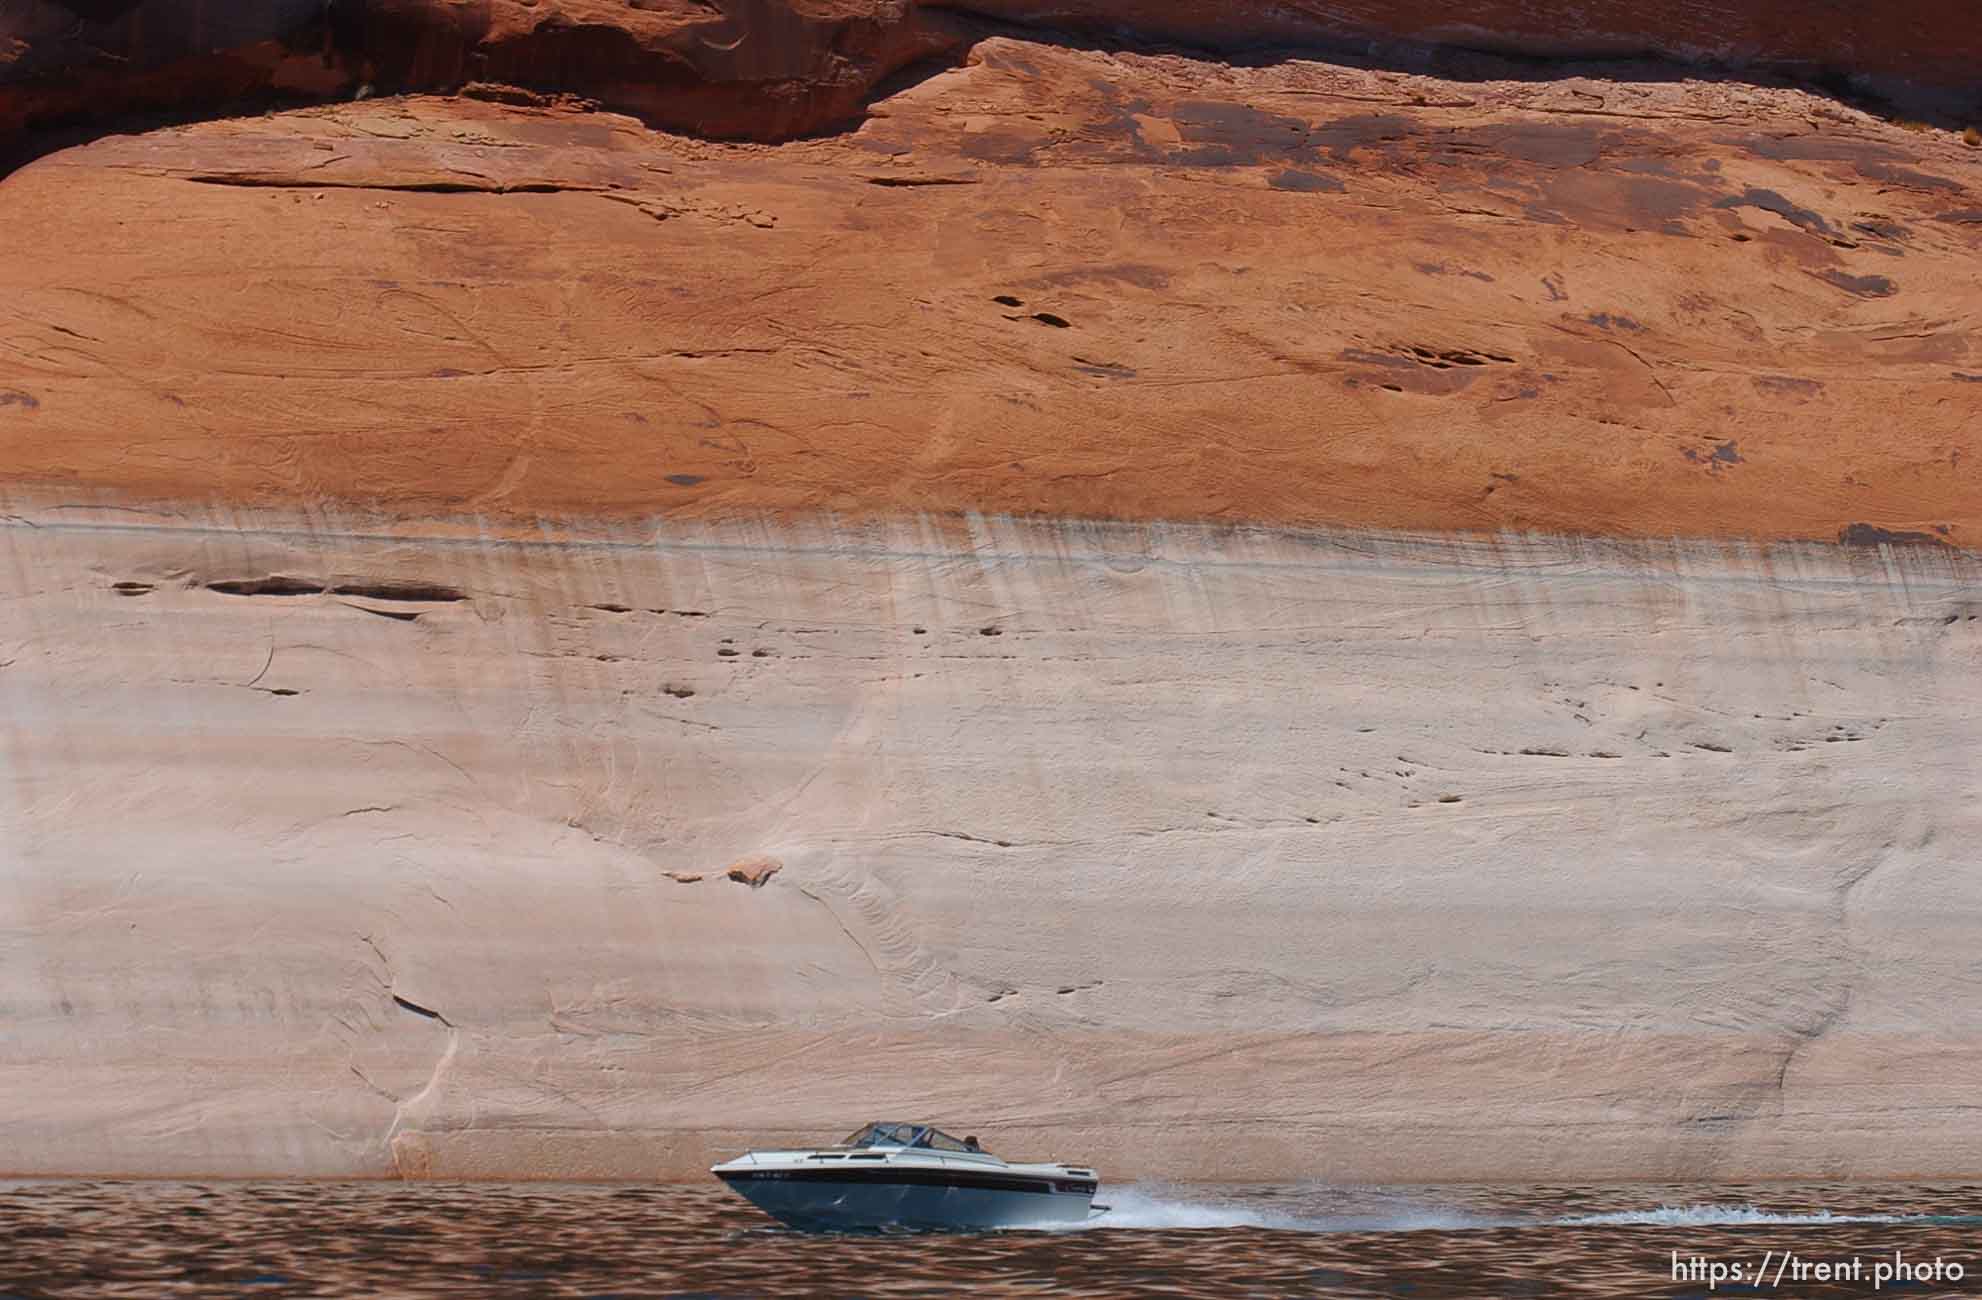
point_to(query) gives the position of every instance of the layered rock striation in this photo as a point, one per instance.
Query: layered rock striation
(1195, 852)
(1271, 621)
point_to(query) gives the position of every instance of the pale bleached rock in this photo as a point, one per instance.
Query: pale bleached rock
(1137, 844)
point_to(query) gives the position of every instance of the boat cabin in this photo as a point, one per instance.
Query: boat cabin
(910, 1135)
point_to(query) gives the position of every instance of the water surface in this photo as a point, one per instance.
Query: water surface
(167, 1239)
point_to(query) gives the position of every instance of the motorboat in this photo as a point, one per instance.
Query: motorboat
(908, 1176)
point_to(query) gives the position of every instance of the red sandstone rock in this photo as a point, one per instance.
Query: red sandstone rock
(754, 871)
(1051, 282)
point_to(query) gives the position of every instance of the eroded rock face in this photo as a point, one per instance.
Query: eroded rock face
(437, 533)
(773, 69)
(1051, 282)
(1236, 854)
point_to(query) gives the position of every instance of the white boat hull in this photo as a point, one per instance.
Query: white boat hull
(882, 1198)
(892, 1174)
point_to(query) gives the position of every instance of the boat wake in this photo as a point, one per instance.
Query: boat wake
(1157, 1207)
(1137, 1207)
(1160, 1207)
(1706, 1216)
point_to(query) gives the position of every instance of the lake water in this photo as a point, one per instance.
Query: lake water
(160, 1239)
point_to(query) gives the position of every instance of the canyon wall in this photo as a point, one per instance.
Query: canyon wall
(1271, 621)
(1194, 852)
(1056, 282)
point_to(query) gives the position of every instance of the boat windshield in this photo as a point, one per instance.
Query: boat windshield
(906, 1135)
(884, 1135)
(942, 1141)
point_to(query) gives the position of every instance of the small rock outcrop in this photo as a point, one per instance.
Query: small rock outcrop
(754, 871)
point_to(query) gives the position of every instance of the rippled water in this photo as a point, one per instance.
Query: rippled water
(111, 1239)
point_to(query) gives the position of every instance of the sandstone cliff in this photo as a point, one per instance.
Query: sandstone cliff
(1285, 620)
(1052, 281)
(1195, 852)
